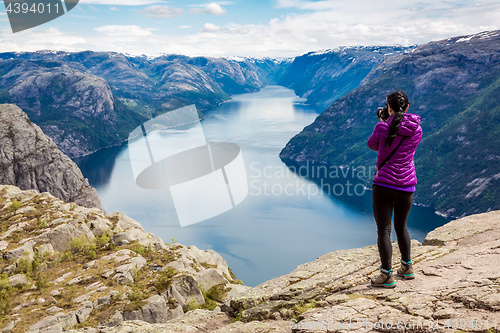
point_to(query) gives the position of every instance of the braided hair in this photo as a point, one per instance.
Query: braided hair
(398, 101)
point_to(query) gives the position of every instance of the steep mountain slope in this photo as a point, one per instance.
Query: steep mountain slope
(29, 159)
(324, 76)
(78, 97)
(269, 70)
(454, 85)
(73, 106)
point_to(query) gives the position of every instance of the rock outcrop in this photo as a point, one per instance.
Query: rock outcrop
(457, 288)
(30, 160)
(89, 100)
(95, 280)
(455, 280)
(62, 265)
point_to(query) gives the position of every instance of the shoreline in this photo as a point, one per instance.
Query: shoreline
(352, 170)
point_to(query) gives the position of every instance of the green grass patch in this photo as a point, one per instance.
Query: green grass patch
(15, 205)
(301, 308)
(164, 280)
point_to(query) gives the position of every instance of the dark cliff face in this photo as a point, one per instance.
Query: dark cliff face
(454, 86)
(89, 100)
(323, 77)
(30, 160)
(74, 107)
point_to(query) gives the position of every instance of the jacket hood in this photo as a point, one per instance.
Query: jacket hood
(409, 124)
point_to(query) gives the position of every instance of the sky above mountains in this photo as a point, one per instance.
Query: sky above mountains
(255, 28)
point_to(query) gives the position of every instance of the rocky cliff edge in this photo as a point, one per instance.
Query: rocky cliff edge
(457, 289)
(65, 266)
(30, 160)
(69, 268)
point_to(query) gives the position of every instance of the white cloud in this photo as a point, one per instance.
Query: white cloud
(239, 31)
(162, 11)
(34, 40)
(124, 30)
(114, 8)
(120, 2)
(337, 23)
(209, 27)
(222, 3)
(212, 9)
(185, 26)
(232, 28)
(287, 3)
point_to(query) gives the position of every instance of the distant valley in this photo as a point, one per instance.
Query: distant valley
(88, 100)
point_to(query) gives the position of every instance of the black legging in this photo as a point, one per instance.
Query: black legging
(384, 201)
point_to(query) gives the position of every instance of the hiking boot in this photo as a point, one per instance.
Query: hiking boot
(385, 279)
(406, 270)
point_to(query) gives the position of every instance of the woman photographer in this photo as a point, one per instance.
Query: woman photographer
(395, 139)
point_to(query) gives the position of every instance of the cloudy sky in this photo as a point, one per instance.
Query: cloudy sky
(256, 28)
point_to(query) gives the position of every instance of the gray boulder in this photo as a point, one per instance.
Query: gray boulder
(83, 313)
(185, 290)
(18, 280)
(99, 225)
(128, 230)
(184, 263)
(125, 272)
(124, 222)
(237, 290)
(44, 249)
(25, 250)
(205, 257)
(52, 323)
(61, 236)
(209, 257)
(57, 328)
(116, 319)
(156, 311)
(209, 278)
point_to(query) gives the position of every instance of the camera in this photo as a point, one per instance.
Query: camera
(383, 113)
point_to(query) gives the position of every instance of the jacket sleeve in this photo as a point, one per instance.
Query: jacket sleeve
(419, 134)
(373, 140)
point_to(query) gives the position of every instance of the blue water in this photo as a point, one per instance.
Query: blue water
(285, 220)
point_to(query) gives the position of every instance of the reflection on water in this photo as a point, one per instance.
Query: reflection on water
(99, 166)
(286, 220)
(346, 185)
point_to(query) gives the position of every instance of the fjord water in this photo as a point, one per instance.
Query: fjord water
(286, 220)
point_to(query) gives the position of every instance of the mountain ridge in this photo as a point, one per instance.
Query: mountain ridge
(64, 91)
(452, 85)
(324, 76)
(29, 159)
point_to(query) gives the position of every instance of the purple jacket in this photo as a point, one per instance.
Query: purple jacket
(400, 169)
